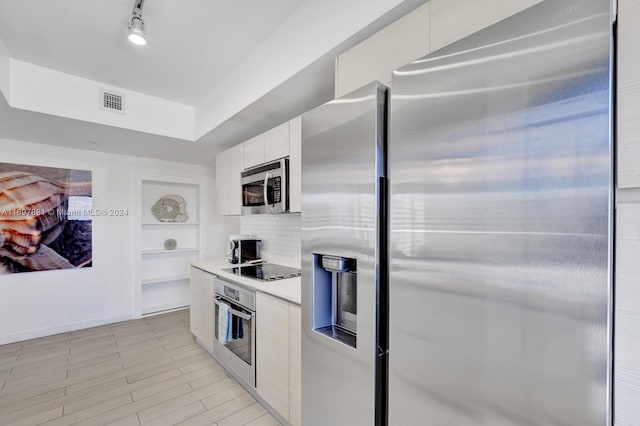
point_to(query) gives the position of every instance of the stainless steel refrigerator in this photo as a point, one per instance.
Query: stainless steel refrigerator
(501, 218)
(500, 234)
(343, 163)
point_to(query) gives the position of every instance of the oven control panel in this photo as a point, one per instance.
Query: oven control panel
(228, 290)
(231, 293)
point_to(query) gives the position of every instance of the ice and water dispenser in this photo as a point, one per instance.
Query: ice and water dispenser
(335, 298)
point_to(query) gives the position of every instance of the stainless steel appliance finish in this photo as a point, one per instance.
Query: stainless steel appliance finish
(238, 354)
(245, 250)
(265, 188)
(501, 211)
(265, 272)
(343, 146)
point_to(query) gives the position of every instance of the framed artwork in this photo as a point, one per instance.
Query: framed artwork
(45, 218)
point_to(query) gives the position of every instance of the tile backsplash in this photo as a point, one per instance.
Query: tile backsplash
(280, 233)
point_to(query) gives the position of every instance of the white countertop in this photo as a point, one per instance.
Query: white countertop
(287, 289)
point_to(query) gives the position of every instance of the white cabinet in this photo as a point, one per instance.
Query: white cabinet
(281, 141)
(295, 164)
(235, 168)
(627, 312)
(452, 20)
(229, 166)
(272, 352)
(628, 95)
(254, 151)
(222, 182)
(267, 146)
(278, 356)
(295, 366)
(201, 315)
(428, 28)
(400, 43)
(164, 269)
(276, 142)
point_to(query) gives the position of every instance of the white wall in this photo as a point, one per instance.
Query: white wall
(42, 303)
(4, 70)
(40, 89)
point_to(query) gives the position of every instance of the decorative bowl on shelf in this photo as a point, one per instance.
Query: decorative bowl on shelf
(170, 244)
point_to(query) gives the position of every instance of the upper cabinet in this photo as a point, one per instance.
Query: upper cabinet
(282, 141)
(295, 164)
(254, 151)
(428, 28)
(276, 142)
(222, 182)
(229, 166)
(375, 58)
(452, 20)
(236, 166)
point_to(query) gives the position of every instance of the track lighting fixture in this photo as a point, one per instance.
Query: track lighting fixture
(137, 30)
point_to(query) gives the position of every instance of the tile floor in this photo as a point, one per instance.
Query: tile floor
(148, 371)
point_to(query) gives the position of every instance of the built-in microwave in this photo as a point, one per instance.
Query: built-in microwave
(265, 188)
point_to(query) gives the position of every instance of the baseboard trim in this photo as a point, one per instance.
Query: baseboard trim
(65, 328)
(164, 310)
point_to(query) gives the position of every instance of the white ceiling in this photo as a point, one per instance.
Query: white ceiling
(254, 65)
(193, 44)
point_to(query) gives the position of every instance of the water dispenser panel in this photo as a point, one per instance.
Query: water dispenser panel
(335, 297)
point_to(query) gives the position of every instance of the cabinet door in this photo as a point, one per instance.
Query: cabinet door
(206, 302)
(235, 167)
(195, 312)
(452, 20)
(628, 95)
(276, 142)
(295, 366)
(272, 352)
(254, 151)
(400, 43)
(200, 285)
(295, 164)
(222, 182)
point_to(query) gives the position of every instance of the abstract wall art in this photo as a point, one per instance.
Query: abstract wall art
(45, 218)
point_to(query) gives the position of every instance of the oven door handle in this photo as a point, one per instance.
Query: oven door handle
(235, 312)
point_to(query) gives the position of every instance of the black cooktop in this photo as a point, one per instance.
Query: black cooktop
(265, 271)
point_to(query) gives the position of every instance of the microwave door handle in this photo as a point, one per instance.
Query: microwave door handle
(235, 312)
(267, 176)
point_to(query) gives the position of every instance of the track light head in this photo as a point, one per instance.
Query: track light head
(137, 30)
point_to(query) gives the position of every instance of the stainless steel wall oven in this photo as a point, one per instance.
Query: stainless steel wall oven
(235, 342)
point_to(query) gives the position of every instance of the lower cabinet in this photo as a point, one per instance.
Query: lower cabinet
(201, 314)
(295, 365)
(278, 355)
(272, 352)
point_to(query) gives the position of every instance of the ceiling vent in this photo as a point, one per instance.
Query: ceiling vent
(111, 101)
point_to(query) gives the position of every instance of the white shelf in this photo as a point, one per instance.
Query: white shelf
(165, 251)
(169, 223)
(163, 279)
(166, 279)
